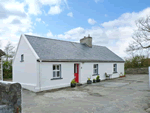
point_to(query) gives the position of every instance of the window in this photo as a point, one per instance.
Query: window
(115, 68)
(56, 71)
(95, 68)
(75, 68)
(22, 58)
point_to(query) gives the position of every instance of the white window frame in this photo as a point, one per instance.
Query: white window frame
(56, 70)
(114, 68)
(95, 69)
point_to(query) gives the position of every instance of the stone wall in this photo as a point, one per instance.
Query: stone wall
(137, 70)
(10, 97)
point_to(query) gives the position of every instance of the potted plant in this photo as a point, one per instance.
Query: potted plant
(97, 78)
(121, 75)
(89, 81)
(73, 83)
(94, 80)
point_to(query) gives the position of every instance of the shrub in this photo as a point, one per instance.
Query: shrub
(137, 62)
(97, 78)
(7, 69)
(94, 79)
(73, 81)
(89, 78)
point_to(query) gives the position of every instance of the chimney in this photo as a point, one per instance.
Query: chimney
(87, 41)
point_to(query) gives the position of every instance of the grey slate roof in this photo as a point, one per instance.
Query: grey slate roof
(57, 50)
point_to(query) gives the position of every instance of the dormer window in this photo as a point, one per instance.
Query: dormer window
(22, 58)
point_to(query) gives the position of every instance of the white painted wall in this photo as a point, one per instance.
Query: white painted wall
(67, 72)
(87, 70)
(26, 73)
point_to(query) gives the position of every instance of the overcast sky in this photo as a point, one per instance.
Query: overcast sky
(111, 23)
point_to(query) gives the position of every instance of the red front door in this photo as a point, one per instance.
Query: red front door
(76, 72)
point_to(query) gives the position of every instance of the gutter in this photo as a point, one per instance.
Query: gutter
(59, 60)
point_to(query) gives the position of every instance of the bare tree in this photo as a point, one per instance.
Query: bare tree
(9, 51)
(141, 36)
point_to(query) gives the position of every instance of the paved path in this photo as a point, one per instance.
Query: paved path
(123, 95)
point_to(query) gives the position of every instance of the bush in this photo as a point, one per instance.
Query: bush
(137, 62)
(7, 69)
(89, 78)
(73, 81)
(97, 78)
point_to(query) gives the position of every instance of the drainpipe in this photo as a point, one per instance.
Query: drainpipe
(40, 74)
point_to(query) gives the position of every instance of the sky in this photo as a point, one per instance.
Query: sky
(110, 23)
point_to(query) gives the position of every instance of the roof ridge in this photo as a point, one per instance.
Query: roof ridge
(59, 40)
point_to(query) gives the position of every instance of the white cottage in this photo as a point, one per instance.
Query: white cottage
(1, 64)
(44, 63)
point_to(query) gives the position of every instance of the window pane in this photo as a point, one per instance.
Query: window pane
(94, 65)
(58, 74)
(53, 73)
(95, 70)
(57, 67)
(54, 67)
(21, 57)
(75, 68)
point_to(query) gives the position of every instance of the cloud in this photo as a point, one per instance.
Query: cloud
(115, 34)
(6, 11)
(35, 6)
(51, 2)
(16, 21)
(54, 10)
(38, 19)
(49, 34)
(91, 21)
(70, 14)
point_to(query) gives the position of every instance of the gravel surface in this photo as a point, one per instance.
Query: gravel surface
(130, 94)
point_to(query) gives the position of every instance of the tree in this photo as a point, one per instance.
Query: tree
(7, 69)
(9, 51)
(141, 36)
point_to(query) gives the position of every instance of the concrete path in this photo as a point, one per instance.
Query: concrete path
(122, 95)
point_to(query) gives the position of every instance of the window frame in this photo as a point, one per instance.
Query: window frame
(56, 70)
(95, 69)
(114, 68)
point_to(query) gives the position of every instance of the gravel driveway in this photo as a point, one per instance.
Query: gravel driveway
(130, 94)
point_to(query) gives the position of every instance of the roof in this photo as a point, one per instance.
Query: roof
(1, 53)
(58, 50)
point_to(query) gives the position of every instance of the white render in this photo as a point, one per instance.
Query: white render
(36, 76)
(25, 72)
(1, 69)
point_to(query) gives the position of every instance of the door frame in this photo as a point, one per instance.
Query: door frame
(79, 69)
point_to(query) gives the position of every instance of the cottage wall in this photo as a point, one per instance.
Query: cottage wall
(26, 72)
(67, 73)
